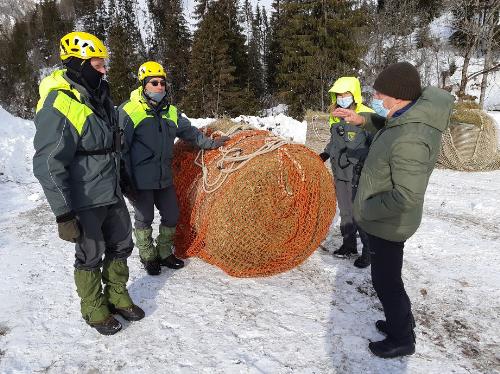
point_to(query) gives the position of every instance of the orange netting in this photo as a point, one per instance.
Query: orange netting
(267, 217)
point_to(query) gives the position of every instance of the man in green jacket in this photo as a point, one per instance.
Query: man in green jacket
(150, 125)
(77, 153)
(389, 202)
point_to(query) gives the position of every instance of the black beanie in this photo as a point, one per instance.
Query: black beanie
(400, 81)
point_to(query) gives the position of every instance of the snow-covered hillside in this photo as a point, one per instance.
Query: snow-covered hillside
(317, 318)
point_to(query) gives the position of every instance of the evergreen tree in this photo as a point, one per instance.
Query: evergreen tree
(19, 84)
(171, 43)
(255, 56)
(126, 50)
(318, 40)
(273, 49)
(47, 26)
(218, 71)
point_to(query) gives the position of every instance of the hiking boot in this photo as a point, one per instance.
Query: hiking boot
(109, 326)
(344, 251)
(172, 262)
(389, 348)
(152, 267)
(362, 262)
(132, 313)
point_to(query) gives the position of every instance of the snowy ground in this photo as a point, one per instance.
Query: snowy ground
(317, 318)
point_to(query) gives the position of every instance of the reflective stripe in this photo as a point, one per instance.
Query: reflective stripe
(136, 110)
(333, 120)
(54, 82)
(172, 114)
(76, 112)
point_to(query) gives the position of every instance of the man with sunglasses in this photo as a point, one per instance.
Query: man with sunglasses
(150, 125)
(348, 146)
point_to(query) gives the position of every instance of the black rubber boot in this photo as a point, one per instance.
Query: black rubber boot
(132, 313)
(109, 326)
(152, 267)
(172, 262)
(345, 251)
(389, 348)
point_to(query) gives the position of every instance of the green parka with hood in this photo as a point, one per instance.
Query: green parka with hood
(394, 179)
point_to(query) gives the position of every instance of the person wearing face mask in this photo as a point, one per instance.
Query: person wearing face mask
(77, 155)
(348, 146)
(150, 125)
(389, 202)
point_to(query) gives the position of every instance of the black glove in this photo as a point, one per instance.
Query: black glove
(220, 141)
(127, 185)
(324, 156)
(68, 227)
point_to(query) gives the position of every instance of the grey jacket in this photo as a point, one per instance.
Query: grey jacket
(149, 135)
(347, 146)
(68, 123)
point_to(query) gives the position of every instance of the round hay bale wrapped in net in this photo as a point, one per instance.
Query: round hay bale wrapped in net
(255, 207)
(470, 142)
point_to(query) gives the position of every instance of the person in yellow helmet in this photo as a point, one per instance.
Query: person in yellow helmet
(77, 157)
(150, 125)
(347, 149)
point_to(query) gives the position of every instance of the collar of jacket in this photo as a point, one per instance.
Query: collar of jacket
(56, 81)
(138, 96)
(432, 108)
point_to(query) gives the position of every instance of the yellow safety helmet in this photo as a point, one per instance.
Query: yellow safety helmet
(82, 45)
(151, 69)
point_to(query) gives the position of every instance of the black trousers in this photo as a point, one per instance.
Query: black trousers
(106, 230)
(165, 201)
(387, 262)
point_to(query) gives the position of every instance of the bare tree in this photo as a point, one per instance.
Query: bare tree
(475, 27)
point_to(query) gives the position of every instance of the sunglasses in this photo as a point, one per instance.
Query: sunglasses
(156, 83)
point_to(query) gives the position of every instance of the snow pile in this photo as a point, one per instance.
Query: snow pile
(16, 148)
(280, 125)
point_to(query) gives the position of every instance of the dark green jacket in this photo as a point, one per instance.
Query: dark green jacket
(149, 135)
(396, 172)
(68, 123)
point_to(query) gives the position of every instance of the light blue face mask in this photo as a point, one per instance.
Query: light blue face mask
(379, 108)
(156, 96)
(345, 102)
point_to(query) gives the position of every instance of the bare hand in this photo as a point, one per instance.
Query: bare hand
(349, 115)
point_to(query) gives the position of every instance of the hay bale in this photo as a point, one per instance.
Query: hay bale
(470, 142)
(266, 218)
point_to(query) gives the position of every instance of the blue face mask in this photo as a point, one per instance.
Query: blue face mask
(345, 102)
(156, 96)
(379, 108)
